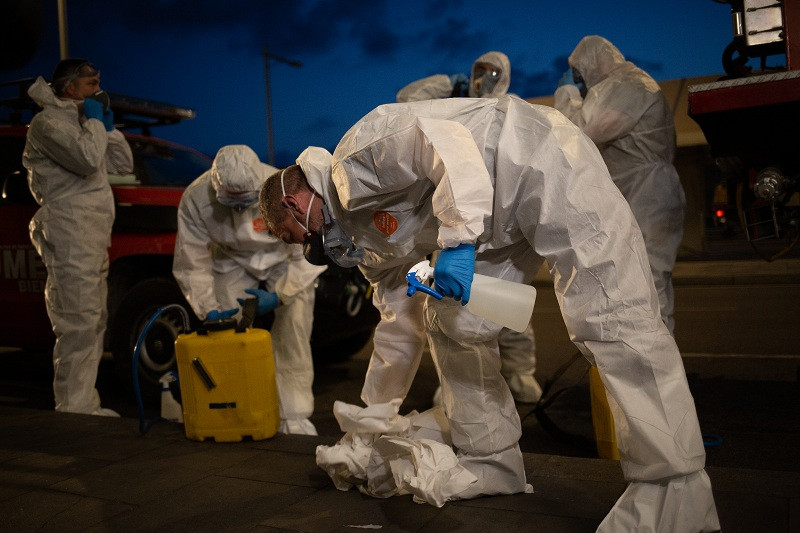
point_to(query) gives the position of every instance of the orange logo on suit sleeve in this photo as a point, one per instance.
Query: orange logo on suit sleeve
(385, 222)
(259, 226)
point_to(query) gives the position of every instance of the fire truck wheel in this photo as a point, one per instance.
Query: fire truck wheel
(157, 352)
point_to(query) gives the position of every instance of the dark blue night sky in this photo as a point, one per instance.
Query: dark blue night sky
(355, 55)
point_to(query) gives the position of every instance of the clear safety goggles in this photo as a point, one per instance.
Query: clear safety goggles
(336, 243)
(485, 78)
(239, 202)
(77, 73)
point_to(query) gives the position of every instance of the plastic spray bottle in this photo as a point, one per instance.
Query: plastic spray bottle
(504, 302)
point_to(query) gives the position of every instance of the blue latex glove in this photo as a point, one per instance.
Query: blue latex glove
(455, 79)
(267, 301)
(108, 120)
(460, 84)
(216, 314)
(453, 272)
(93, 109)
(567, 78)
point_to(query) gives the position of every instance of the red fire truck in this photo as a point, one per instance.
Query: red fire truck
(751, 120)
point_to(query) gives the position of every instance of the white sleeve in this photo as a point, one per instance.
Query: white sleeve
(568, 100)
(192, 264)
(430, 88)
(447, 154)
(299, 275)
(610, 110)
(80, 149)
(119, 159)
(396, 151)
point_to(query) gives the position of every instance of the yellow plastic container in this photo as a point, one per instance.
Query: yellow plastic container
(227, 382)
(602, 419)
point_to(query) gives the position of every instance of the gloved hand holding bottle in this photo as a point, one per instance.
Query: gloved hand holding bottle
(217, 314)
(93, 109)
(454, 270)
(267, 301)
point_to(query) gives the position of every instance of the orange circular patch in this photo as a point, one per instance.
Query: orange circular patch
(259, 226)
(385, 222)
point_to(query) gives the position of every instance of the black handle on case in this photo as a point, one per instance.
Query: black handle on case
(249, 309)
(203, 373)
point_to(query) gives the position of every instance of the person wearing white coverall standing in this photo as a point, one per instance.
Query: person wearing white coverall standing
(627, 116)
(71, 145)
(446, 175)
(490, 77)
(223, 252)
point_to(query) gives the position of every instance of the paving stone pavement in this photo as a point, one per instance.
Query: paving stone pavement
(67, 472)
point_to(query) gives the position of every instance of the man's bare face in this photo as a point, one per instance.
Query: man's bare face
(289, 230)
(83, 87)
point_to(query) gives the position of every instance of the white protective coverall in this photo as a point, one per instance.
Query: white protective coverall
(440, 86)
(627, 116)
(68, 158)
(515, 177)
(517, 349)
(220, 252)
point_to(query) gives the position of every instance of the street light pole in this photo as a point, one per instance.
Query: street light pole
(62, 29)
(267, 57)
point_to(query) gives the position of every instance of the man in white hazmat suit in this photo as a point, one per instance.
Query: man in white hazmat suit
(490, 77)
(626, 115)
(446, 175)
(71, 145)
(223, 252)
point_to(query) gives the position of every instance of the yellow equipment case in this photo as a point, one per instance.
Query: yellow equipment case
(227, 382)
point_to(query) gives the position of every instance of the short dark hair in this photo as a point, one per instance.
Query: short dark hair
(68, 69)
(270, 197)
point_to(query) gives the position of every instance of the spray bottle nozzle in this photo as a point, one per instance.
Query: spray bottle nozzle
(416, 277)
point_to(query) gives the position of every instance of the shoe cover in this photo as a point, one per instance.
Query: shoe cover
(678, 505)
(300, 426)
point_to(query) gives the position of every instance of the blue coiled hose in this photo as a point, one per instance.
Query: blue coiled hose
(145, 426)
